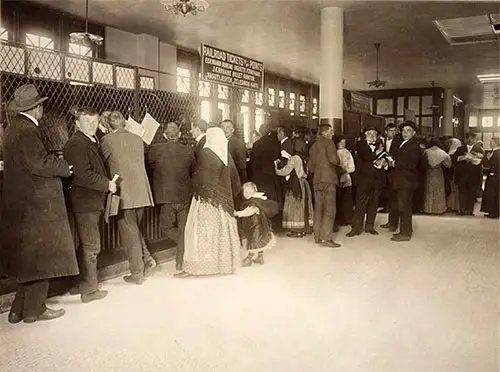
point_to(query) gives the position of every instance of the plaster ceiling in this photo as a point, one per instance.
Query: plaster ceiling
(285, 35)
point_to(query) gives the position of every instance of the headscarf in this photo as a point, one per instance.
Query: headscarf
(455, 143)
(217, 142)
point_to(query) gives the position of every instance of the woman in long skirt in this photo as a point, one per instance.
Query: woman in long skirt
(212, 244)
(490, 202)
(434, 192)
(297, 210)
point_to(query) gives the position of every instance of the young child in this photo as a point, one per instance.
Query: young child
(256, 212)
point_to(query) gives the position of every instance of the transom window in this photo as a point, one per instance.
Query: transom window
(487, 122)
(259, 98)
(271, 97)
(281, 102)
(80, 50)
(245, 97)
(315, 106)
(291, 102)
(223, 92)
(204, 88)
(4, 34)
(472, 121)
(39, 41)
(302, 103)
(183, 80)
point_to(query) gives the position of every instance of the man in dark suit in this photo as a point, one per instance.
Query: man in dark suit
(370, 179)
(88, 189)
(173, 165)
(468, 173)
(237, 149)
(35, 233)
(123, 153)
(198, 131)
(264, 151)
(392, 142)
(323, 162)
(405, 179)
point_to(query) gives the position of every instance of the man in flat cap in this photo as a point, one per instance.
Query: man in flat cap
(37, 240)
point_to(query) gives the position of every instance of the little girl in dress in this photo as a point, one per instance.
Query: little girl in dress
(256, 233)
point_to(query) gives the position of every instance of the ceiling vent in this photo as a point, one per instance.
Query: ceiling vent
(470, 30)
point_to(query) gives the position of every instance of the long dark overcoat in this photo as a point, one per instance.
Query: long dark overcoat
(35, 234)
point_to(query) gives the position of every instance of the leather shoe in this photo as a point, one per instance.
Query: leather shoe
(400, 238)
(330, 244)
(352, 233)
(15, 318)
(139, 280)
(372, 232)
(183, 274)
(97, 295)
(48, 314)
(386, 226)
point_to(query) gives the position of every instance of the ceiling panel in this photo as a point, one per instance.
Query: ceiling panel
(285, 36)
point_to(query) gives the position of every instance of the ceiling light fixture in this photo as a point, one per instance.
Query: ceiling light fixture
(377, 83)
(489, 78)
(185, 7)
(85, 38)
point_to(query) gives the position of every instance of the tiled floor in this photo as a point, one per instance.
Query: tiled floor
(372, 305)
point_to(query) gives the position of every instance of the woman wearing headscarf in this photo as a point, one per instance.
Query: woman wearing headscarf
(298, 209)
(212, 244)
(453, 197)
(490, 202)
(434, 188)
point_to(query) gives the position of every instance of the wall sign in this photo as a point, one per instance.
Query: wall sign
(223, 67)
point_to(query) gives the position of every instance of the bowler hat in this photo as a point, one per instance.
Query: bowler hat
(26, 97)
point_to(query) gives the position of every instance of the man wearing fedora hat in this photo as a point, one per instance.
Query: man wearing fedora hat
(37, 241)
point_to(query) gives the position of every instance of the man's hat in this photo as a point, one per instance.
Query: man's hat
(26, 97)
(369, 128)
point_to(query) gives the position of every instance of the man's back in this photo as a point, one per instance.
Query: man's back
(323, 160)
(123, 153)
(173, 164)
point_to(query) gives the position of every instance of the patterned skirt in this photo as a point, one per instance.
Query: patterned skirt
(298, 213)
(212, 244)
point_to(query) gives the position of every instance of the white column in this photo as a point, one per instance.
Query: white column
(447, 123)
(331, 98)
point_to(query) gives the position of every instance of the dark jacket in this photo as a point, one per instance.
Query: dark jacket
(90, 182)
(173, 164)
(264, 152)
(36, 238)
(366, 173)
(198, 146)
(396, 142)
(323, 162)
(406, 171)
(465, 169)
(238, 152)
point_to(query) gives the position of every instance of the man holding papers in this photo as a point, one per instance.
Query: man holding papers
(88, 189)
(123, 153)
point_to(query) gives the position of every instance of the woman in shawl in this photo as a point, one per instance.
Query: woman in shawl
(490, 202)
(297, 210)
(434, 192)
(212, 244)
(453, 197)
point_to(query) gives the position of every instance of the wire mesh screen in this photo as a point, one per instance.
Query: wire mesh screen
(69, 81)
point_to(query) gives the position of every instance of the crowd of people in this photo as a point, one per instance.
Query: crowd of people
(219, 201)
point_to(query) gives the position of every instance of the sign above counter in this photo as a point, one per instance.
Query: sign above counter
(223, 67)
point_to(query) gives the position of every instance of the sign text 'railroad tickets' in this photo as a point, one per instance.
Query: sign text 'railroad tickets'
(222, 67)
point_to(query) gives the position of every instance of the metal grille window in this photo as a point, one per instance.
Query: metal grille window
(203, 88)
(245, 112)
(259, 98)
(315, 107)
(302, 103)
(271, 97)
(4, 34)
(281, 101)
(223, 92)
(245, 97)
(39, 41)
(226, 110)
(80, 50)
(291, 102)
(259, 118)
(206, 113)
(147, 82)
(183, 80)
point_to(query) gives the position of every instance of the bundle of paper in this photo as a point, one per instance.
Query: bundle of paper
(146, 130)
(383, 160)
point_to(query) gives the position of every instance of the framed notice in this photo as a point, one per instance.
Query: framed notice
(223, 67)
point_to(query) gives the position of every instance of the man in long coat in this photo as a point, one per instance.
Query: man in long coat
(123, 153)
(237, 149)
(36, 236)
(173, 164)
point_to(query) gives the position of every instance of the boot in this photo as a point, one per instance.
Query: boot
(260, 259)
